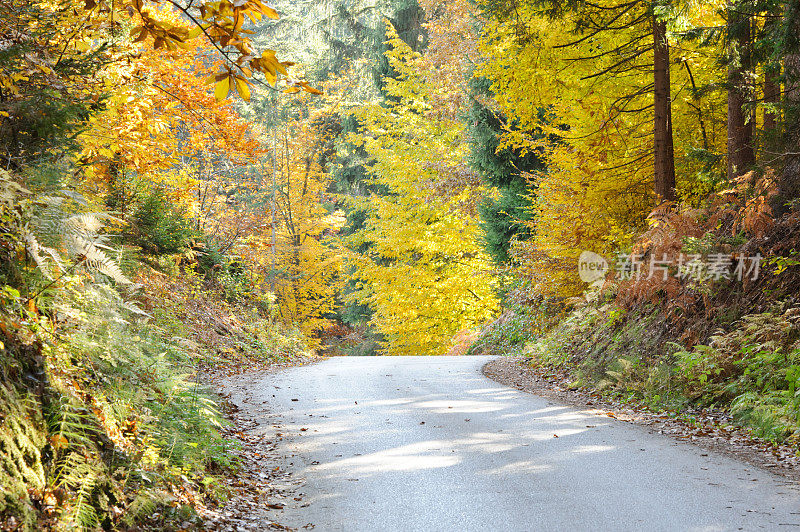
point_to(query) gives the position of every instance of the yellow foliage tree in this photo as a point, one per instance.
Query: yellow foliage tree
(162, 127)
(419, 267)
(294, 248)
(590, 115)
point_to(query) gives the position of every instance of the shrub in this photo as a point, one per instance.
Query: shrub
(157, 226)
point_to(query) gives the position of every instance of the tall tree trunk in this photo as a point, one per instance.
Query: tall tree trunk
(772, 92)
(789, 184)
(664, 153)
(741, 155)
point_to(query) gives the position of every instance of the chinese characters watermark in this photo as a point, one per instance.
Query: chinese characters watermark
(694, 267)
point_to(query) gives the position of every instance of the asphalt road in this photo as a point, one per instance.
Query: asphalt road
(429, 443)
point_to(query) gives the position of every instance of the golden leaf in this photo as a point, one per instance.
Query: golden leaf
(58, 441)
(222, 88)
(243, 89)
(194, 33)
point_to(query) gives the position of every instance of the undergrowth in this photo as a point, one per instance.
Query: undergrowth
(105, 423)
(751, 370)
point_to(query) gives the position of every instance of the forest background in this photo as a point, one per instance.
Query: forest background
(420, 179)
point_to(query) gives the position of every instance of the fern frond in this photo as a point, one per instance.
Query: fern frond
(87, 221)
(74, 426)
(35, 251)
(133, 308)
(144, 504)
(91, 222)
(95, 258)
(79, 473)
(75, 196)
(32, 248)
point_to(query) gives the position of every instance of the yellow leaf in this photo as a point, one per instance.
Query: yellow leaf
(271, 77)
(308, 88)
(143, 32)
(268, 11)
(194, 33)
(222, 88)
(243, 89)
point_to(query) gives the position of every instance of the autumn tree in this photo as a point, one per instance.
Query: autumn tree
(292, 247)
(597, 136)
(663, 148)
(164, 143)
(741, 127)
(416, 262)
(789, 184)
(48, 83)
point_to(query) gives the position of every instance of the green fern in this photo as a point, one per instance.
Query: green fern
(69, 423)
(142, 505)
(80, 474)
(54, 236)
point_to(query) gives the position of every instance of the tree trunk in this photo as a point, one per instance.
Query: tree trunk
(664, 155)
(741, 155)
(789, 184)
(772, 91)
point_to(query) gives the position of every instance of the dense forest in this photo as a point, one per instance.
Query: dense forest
(610, 189)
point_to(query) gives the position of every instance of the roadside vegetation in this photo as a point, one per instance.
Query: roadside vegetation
(728, 345)
(105, 419)
(120, 283)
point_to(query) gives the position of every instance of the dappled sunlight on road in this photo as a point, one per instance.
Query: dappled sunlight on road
(344, 423)
(459, 407)
(382, 437)
(423, 455)
(525, 467)
(583, 449)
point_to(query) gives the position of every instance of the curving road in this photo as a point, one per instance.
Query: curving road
(429, 443)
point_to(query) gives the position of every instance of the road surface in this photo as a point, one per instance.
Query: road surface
(430, 444)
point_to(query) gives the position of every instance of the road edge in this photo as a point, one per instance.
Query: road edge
(706, 433)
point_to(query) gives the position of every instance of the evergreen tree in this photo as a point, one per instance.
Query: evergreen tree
(407, 18)
(502, 217)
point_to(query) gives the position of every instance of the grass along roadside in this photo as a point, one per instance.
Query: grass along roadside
(682, 343)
